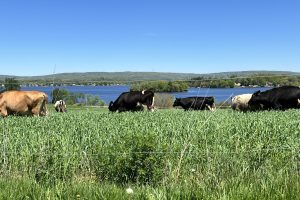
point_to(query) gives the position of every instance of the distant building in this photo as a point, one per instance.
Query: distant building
(237, 84)
(269, 84)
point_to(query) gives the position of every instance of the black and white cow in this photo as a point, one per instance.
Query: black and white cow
(196, 103)
(280, 98)
(133, 101)
(60, 106)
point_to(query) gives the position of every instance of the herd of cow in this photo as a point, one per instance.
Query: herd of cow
(35, 102)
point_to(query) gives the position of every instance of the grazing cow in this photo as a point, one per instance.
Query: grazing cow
(240, 102)
(195, 103)
(60, 106)
(23, 103)
(133, 101)
(280, 98)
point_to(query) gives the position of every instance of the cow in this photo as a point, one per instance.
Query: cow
(23, 103)
(240, 102)
(280, 98)
(196, 103)
(133, 101)
(60, 106)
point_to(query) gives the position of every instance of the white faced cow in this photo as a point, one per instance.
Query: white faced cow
(240, 102)
(60, 106)
(23, 103)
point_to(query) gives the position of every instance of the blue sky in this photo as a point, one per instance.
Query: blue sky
(197, 36)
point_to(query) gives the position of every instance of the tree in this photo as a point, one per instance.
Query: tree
(161, 86)
(11, 84)
(69, 97)
(74, 97)
(93, 100)
(59, 94)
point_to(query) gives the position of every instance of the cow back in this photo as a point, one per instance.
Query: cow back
(197, 103)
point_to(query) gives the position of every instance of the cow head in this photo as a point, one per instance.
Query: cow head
(257, 101)
(177, 102)
(254, 100)
(111, 107)
(212, 107)
(148, 99)
(257, 93)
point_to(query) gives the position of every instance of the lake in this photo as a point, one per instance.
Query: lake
(110, 93)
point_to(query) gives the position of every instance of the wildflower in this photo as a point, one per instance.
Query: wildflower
(129, 191)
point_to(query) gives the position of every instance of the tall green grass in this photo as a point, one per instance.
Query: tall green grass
(167, 154)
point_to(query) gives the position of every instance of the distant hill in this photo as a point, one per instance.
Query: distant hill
(108, 76)
(136, 76)
(247, 74)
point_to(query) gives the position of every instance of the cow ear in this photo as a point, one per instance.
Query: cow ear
(256, 93)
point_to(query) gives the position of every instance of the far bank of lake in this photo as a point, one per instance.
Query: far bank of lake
(110, 93)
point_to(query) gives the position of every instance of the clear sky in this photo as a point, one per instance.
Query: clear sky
(198, 36)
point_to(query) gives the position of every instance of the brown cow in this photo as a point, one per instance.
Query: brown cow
(23, 103)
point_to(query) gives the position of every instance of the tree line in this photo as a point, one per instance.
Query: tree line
(161, 86)
(256, 80)
(265, 80)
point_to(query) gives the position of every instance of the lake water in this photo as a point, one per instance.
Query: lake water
(110, 93)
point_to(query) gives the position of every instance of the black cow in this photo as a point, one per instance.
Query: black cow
(133, 101)
(196, 103)
(280, 98)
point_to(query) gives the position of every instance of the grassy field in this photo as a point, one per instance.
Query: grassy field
(89, 153)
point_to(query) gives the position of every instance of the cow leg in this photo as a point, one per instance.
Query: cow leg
(213, 107)
(41, 108)
(234, 106)
(150, 104)
(44, 110)
(37, 108)
(277, 106)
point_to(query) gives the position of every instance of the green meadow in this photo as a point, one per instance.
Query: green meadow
(89, 153)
